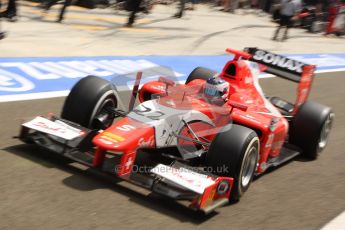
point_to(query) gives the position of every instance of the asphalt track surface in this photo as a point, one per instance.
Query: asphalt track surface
(41, 191)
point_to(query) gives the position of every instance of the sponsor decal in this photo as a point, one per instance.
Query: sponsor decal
(126, 164)
(269, 140)
(223, 187)
(129, 163)
(153, 114)
(277, 60)
(106, 142)
(57, 128)
(11, 82)
(186, 178)
(49, 127)
(146, 143)
(125, 128)
(274, 123)
(112, 137)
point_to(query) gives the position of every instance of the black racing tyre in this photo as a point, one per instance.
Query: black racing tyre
(87, 101)
(200, 73)
(234, 153)
(310, 128)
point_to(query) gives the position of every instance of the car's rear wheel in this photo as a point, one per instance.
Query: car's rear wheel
(310, 128)
(200, 73)
(88, 101)
(234, 153)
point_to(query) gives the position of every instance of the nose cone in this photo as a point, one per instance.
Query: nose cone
(126, 134)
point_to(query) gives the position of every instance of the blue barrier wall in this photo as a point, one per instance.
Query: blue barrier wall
(25, 76)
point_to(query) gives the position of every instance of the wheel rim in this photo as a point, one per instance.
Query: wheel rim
(103, 119)
(326, 128)
(249, 165)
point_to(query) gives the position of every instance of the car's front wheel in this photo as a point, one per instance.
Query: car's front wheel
(234, 153)
(88, 101)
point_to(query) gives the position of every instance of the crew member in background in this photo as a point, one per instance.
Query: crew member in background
(287, 12)
(181, 9)
(2, 34)
(10, 12)
(133, 6)
(339, 21)
(333, 10)
(46, 6)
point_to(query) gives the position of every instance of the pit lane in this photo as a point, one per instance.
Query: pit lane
(41, 191)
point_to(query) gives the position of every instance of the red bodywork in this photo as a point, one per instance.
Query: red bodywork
(246, 105)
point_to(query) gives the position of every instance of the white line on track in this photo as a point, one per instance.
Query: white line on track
(33, 96)
(45, 95)
(338, 223)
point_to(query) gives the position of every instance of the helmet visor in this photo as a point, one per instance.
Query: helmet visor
(211, 92)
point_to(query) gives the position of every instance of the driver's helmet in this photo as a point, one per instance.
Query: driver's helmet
(216, 88)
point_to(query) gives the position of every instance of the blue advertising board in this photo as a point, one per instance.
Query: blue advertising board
(31, 78)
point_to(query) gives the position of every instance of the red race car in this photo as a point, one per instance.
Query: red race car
(199, 143)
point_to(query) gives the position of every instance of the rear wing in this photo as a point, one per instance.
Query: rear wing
(278, 65)
(283, 67)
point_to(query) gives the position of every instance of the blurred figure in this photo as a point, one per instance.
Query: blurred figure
(2, 34)
(339, 21)
(333, 10)
(10, 12)
(232, 5)
(287, 12)
(226, 5)
(193, 6)
(46, 6)
(133, 6)
(254, 4)
(182, 7)
(179, 14)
